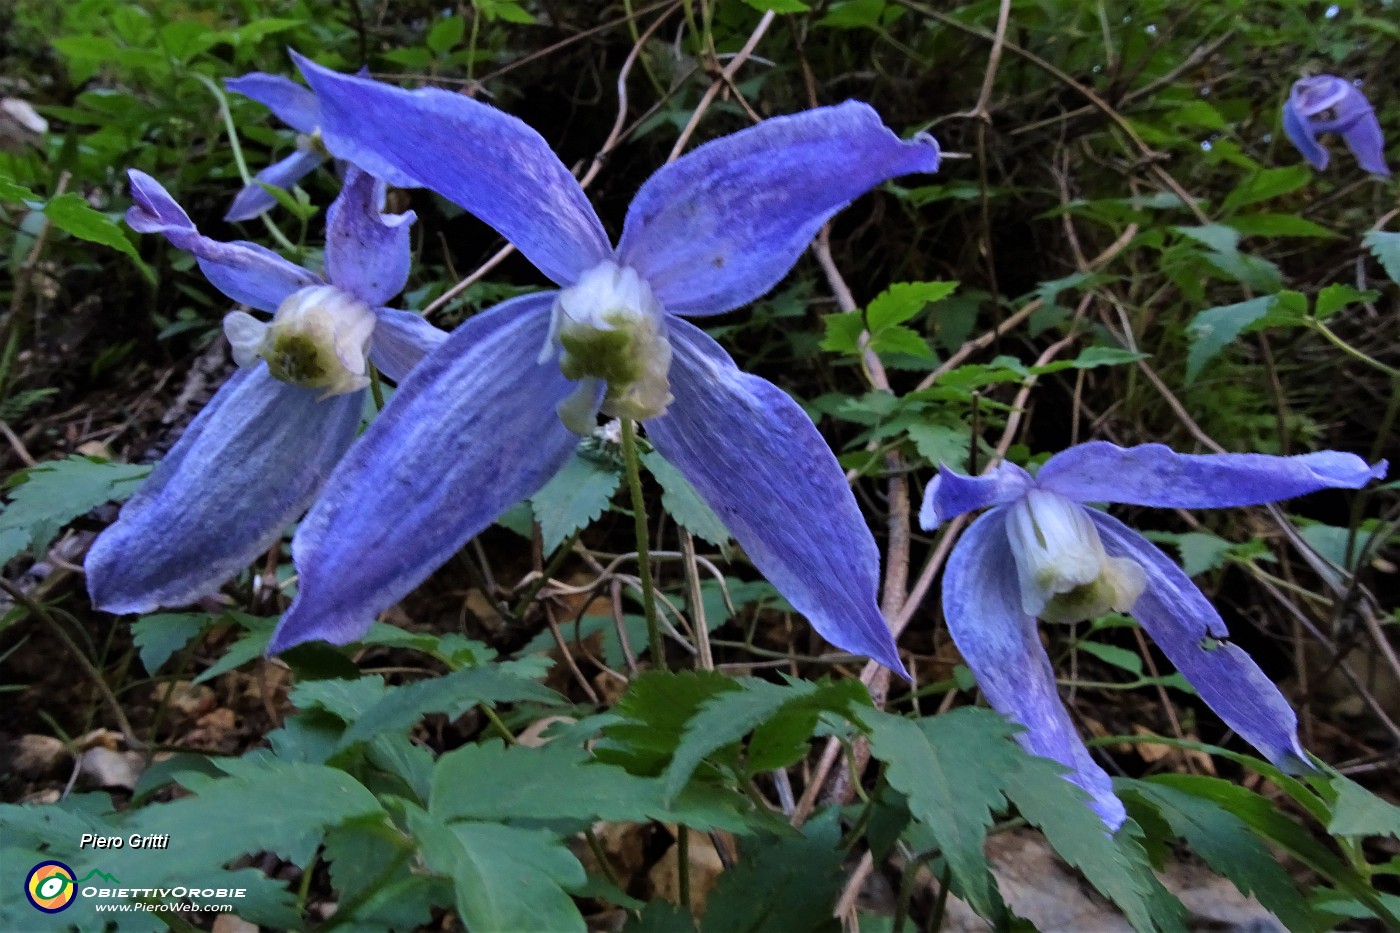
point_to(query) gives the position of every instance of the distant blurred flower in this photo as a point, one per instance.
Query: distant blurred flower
(20, 125)
(256, 456)
(1038, 552)
(492, 415)
(1328, 104)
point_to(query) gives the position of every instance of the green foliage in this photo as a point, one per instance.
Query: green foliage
(46, 497)
(576, 495)
(1229, 847)
(781, 883)
(682, 502)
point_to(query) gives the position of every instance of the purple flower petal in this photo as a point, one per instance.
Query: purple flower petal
(367, 251)
(401, 339)
(1328, 104)
(1156, 475)
(481, 158)
(1301, 133)
(247, 273)
(758, 461)
(471, 431)
(982, 606)
(293, 104)
(951, 494)
(722, 225)
(1190, 632)
(254, 199)
(245, 469)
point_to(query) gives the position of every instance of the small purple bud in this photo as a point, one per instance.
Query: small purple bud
(1328, 104)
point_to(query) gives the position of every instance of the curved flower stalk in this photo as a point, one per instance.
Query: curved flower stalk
(295, 106)
(1039, 552)
(494, 413)
(256, 456)
(1328, 104)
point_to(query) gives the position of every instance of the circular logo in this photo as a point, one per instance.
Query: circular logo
(50, 887)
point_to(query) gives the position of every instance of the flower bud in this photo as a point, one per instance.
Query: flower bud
(610, 327)
(318, 339)
(1064, 572)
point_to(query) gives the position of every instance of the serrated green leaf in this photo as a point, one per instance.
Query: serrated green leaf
(683, 503)
(843, 330)
(52, 494)
(1129, 661)
(506, 879)
(446, 33)
(452, 694)
(941, 444)
(559, 781)
(1266, 819)
(347, 700)
(790, 710)
(950, 768)
(72, 214)
(779, 885)
(11, 190)
(1229, 847)
(1265, 184)
(897, 338)
(260, 804)
(372, 869)
(574, 497)
(1092, 357)
(1385, 246)
(252, 645)
(902, 300)
(1219, 237)
(651, 717)
(1279, 225)
(1212, 329)
(1334, 298)
(507, 10)
(157, 637)
(1117, 865)
(1200, 551)
(1358, 812)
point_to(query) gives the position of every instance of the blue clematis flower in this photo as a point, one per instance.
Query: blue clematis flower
(496, 411)
(1039, 552)
(1328, 104)
(295, 106)
(255, 457)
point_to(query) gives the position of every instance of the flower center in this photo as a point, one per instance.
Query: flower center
(318, 339)
(1064, 572)
(611, 329)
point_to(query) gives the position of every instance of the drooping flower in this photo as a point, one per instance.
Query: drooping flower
(295, 106)
(259, 452)
(494, 413)
(1328, 104)
(1039, 552)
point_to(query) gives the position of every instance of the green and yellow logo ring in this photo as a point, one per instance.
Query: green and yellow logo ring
(51, 887)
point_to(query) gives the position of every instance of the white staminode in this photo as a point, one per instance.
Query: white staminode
(611, 329)
(1064, 573)
(318, 339)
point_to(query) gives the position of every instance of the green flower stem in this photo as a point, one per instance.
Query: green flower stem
(631, 460)
(1351, 351)
(238, 160)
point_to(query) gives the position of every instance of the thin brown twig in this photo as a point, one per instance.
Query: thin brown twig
(727, 72)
